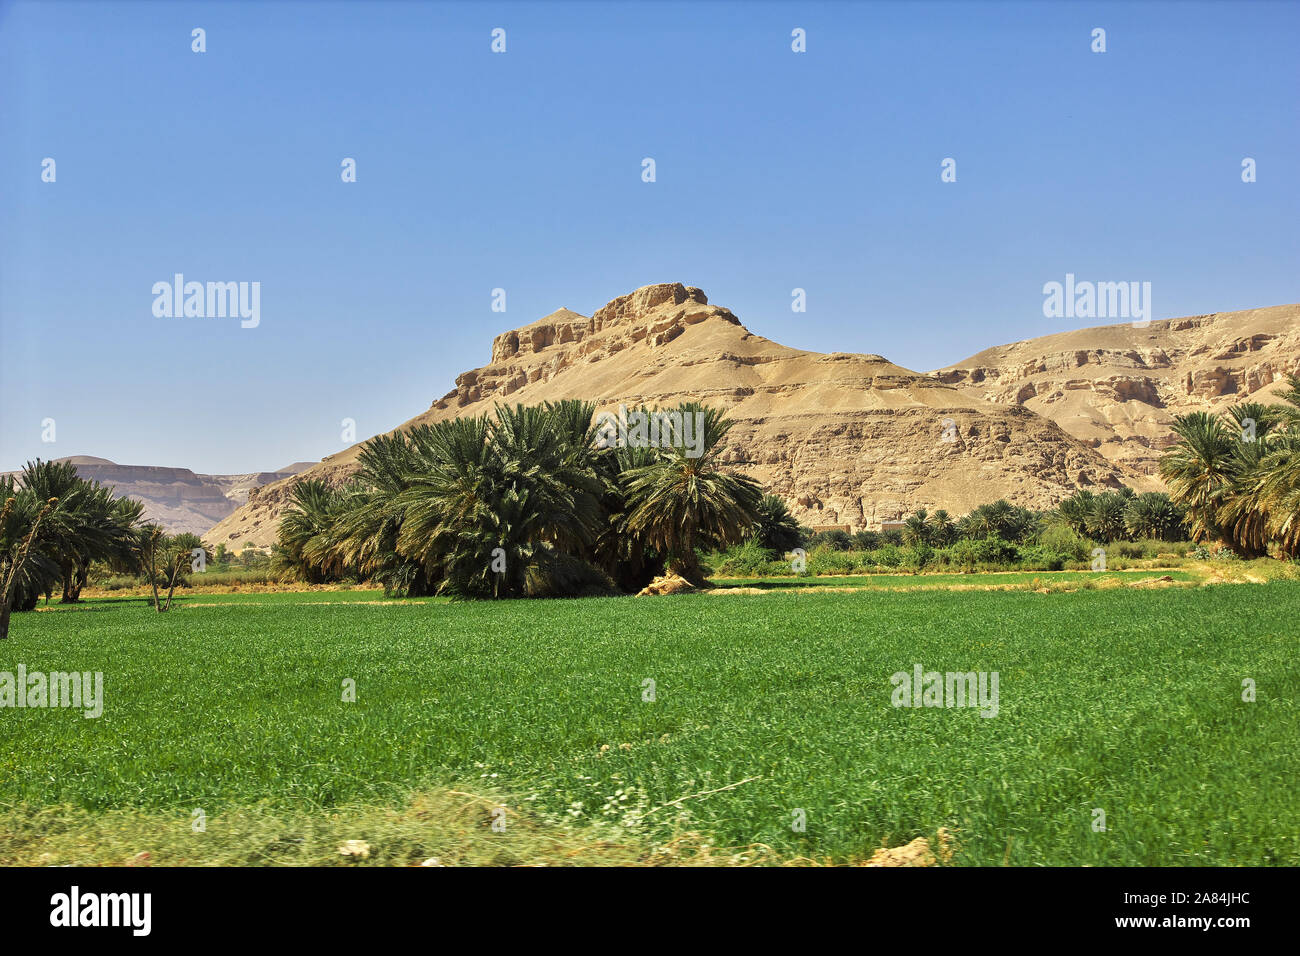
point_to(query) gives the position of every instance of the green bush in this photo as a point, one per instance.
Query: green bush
(1041, 558)
(747, 559)
(825, 560)
(867, 540)
(835, 539)
(887, 556)
(916, 556)
(970, 553)
(1059, 538)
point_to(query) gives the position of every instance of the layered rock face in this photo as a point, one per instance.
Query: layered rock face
(846, 439)
(1118, 388)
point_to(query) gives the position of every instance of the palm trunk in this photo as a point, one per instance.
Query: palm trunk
(79, 581)
(152, 570)
(10, 584)
(171, 585)
(687, 564)
(67, 574)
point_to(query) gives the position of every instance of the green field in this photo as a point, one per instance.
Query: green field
(983, 579)
(1123, 699)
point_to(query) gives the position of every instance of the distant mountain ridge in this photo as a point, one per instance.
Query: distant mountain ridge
(177, 498)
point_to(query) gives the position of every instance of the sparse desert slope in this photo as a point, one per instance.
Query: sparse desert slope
(1118, 388)
(846, 439)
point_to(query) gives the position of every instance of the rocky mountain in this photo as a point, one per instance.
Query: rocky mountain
(846, 439)
(1118, 388)
(177, 498)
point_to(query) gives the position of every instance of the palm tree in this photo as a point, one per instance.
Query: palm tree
(1252, 421)
(304, 544)
(1153, 514)
(499, 502)
(1278, 494)
(104, 527)
(25, 573)
(88, 524)
(446, 498)
(1262, 501)
(1105, 518)
(942, 528)
(776, 529)
(627, 558)
(679, 503)
(64, 538)
(368, 521)
(915, 530)
(1075, 509)
(1197, 469)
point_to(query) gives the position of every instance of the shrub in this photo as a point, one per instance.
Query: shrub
(1042, 558)
(1064, 540)
(826, 560)
(970, 553)
(916, 556)
(888, 556)
(1212, 552)
(747, 559)
(568, 576)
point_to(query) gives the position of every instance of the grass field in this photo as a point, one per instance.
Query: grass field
(1027, 580)
(1123, 699)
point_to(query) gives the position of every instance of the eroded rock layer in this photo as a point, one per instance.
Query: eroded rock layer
(1118, 388)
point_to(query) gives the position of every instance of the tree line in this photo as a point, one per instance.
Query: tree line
(533, 501)
(55, 524)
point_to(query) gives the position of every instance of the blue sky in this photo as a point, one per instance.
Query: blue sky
(522, 171)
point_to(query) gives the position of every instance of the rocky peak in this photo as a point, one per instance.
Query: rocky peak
(654, 314)
(648, 298)
(559, 327)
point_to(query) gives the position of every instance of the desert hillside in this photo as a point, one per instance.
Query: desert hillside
(846, 439)
(1117, 388)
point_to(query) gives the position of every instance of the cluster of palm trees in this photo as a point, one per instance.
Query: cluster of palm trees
(999, 519)
(524, 502)
(1238, 475)
(55, 524)
(65, 523)
(1103, 516)
(1123, 515)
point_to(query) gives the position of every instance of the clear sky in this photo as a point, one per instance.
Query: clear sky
(523, 171)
